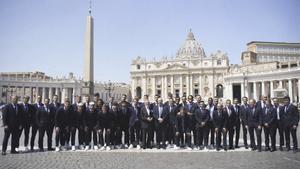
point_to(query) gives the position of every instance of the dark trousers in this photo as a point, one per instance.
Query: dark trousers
(61, 135)
(237, 133)
(230, 135)
(26, 135)
(179, 138)
(290, 131)
(42, 131)
(119, 134)
(14, 132)
(170, 133)
(201, 136)
(219, 134)
(89, 132)
(106, 137)
(211, 131)
(34, 129)
(280, 127)
(81, 135)
(244, 133)
(160, 134)
(147, 137)
(73, 134)
(135, 133)
(258, 136)
(270, 133)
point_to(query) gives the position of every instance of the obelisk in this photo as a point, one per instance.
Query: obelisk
(88, 78)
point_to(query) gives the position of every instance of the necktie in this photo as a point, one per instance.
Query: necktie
(278, 116)
(266, 111)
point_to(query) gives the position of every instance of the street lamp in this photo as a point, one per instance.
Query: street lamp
(109, 87)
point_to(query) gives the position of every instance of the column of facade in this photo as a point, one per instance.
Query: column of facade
(133, 87)
(162, 87)
(200, 85)
(73, 94)
(172, 84)
(181, 86)
(191, 85)
(254, 91)
(36, 92)
(242, 89)
(187, 85)
(263, 91)
(31, 94)
(271, 89)
(166, 87)
(291, 89)
(50, 93)
(144, 88)
(153, 87)
(63, 95)
(298, 90)
(23, 91)
(246, 89)
(44, 93)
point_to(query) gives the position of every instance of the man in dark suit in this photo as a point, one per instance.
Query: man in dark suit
(124, 122)
(220, 120)
(171, 121)
(231, 121)
(262, 102)
(45, 120)
(279, 122)
(254, 123)
(27, 111)
(147, 124)
(62, 124)
(76, 119)
(191, 107)
(211, 128)
(290, 120)
(90, 126)
(183, 133)
(12, 123)
(160, 118)
(243, 116)
(34, 125)
(135, 124)
(201, 117)
(237, 111)
(268, 121)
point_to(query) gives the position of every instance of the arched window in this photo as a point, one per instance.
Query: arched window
(138, 92)
(219, 90)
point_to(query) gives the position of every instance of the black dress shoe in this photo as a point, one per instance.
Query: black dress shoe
(237, 146)
(14, 152)
(246, 147)
(288, 148)
(3, 153)
(41, 150)
(267, 149)
(51, 149)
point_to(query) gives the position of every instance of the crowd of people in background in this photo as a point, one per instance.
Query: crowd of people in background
(178, 123)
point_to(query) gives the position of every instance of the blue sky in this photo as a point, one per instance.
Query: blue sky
(48, 35)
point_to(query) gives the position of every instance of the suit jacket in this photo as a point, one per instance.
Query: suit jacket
(91, 118)
(44, 117)
(182, 123)
(145, 124)
(279, 114)
(105, 120)
(201, 115)
(172, 113)
(260, 105)
(269, 116)
(35, 109)
(231, 121)
(253, 117)
(164, 115)
(243, 113)
(237, 111)
(220, 120)
(134, 115)
(27, 112)
(12, 116)
(211, 109)
(62, 117)
(290, 115)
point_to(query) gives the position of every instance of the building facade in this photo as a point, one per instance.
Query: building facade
(38, 83)
(266, 67)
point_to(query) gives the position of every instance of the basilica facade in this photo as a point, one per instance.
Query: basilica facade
(267, 68)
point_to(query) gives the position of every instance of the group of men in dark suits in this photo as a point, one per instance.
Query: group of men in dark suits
(176, 123)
